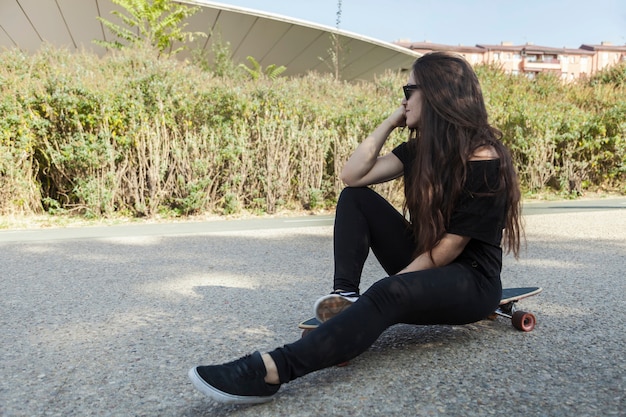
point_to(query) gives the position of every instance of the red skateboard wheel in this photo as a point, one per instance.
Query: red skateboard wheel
(523, 321)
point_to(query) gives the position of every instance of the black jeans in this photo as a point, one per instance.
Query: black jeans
(457, 293)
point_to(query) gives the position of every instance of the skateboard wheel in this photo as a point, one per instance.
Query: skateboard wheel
(523, 321)
(306, 331)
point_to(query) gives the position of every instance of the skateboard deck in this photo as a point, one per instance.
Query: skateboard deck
(309, 324)
(521, 320)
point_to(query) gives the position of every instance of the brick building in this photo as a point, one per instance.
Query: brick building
(531, 59)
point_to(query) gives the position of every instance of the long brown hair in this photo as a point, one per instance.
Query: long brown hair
(453, 124)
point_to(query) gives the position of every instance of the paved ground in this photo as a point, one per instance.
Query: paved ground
(107, 321)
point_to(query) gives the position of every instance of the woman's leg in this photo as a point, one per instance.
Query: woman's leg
(365, 220)
(454, 294)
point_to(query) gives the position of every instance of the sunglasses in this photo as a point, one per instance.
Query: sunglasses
(409, 89)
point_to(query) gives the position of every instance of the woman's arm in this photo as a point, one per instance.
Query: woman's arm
(365, 166)
(446, 251)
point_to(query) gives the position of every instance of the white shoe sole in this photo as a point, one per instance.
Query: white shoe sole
(220, 396)
(329, 306)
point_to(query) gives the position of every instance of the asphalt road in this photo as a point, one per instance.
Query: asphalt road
(216, 226)
(106, 321)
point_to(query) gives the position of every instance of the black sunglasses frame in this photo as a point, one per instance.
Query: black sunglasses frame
(409, 89)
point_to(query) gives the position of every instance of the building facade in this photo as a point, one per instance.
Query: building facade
(529, 59)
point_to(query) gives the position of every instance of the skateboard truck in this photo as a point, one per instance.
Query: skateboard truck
(521, 320)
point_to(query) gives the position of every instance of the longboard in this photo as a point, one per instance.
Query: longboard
(521, 320)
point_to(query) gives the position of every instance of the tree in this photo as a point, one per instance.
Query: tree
(335, 61)
(157, 23)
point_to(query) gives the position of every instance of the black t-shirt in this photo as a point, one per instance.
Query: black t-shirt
(479, 213)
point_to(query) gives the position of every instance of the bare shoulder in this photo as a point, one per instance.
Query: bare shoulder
(484, 153)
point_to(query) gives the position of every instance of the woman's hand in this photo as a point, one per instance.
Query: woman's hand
(446, 251)
(398, 117)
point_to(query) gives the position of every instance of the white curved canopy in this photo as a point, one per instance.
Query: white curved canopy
(271, 39)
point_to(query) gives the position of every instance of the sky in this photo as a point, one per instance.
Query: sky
(555, 23)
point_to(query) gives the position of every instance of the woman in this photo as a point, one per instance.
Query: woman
(462, 199)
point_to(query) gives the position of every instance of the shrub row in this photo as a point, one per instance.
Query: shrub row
(135, 135)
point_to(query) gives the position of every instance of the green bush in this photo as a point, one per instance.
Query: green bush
(134, 134)
(563, 136)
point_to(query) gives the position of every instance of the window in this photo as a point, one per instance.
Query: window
(550, 58)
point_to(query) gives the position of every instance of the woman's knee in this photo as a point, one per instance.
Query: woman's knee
(390, 291)
(356, 195)
(355, 192)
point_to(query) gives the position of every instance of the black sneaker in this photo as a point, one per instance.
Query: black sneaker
(330, 305)
(349, 295)
(238, 382)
